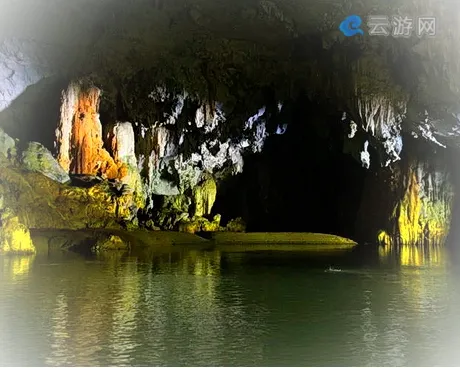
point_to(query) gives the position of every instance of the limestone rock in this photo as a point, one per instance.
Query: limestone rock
(7, 145)
(204, 196)
(14, 236)
(79, 135)
(38, 159)
(41, 203)
(110, 242)
(424, 213)
(198, 224)
(151, 225)
(237, 225)
(21, 67)
(122, 142)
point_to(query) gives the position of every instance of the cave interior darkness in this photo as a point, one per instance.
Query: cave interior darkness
(359, 135)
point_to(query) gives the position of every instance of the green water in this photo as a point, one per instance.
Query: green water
(199, 308)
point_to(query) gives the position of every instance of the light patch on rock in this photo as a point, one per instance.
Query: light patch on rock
(427, 133)
(353, 129)
(281, 129)
(237, 158)
(143, 130)
(382, 118)
(159, 94)
(365, 156)
(210, 161)
(177, 110)
(254, 118)
(259, 138)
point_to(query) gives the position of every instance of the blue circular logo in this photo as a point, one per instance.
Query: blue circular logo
(350, 26)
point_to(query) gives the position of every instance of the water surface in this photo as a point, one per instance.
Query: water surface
(207, 308)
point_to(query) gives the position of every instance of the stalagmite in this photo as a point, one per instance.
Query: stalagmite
(121, 139)
(79, 135)
(122, 142)
(204, 196)
(69, 103)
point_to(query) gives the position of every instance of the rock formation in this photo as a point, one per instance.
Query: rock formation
(423, 214)
(37, 158)
(79, 136)
(32, 197)
(206, 96)
(204, 196)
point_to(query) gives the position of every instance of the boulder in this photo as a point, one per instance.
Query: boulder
(237, 225)
(37, 158)
(7, 145)
(110, 242)
(200, 224)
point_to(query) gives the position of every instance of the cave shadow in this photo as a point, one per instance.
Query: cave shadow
(34, 115)
(302, 181)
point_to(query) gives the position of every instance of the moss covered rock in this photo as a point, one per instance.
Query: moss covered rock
(237, 225)
(110, 242)
(38, 159)
(200, 224)
(42, 203)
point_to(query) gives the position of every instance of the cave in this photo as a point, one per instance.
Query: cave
(305, 130)
(139, 123)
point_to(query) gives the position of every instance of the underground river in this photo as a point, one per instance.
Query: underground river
(192, 307)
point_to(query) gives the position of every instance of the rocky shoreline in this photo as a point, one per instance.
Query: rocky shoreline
(102, 240)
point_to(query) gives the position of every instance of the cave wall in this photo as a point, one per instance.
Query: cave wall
(425, 195)
(309, 179)
(265, 80)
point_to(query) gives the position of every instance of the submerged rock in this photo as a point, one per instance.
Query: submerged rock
(37, 158)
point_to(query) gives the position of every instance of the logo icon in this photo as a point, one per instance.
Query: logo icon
(350, 26)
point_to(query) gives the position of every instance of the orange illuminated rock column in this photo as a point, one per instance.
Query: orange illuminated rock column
(79, 135)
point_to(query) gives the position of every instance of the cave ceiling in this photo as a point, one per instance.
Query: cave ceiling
(227, 50)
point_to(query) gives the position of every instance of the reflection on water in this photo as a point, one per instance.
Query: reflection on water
(16, 267)
(409, 255)
(192, 307)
